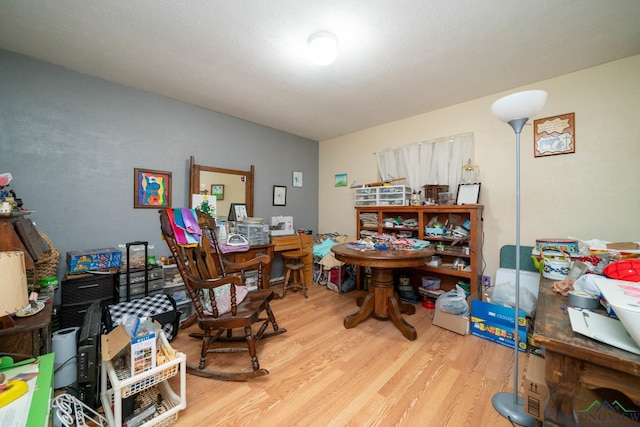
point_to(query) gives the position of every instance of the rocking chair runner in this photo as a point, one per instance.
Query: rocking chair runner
(204, 273)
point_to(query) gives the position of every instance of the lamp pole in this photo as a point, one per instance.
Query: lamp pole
(515, 110)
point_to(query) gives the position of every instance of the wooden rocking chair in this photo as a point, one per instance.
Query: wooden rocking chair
(205, 273)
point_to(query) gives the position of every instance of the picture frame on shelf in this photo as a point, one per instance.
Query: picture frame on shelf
(279, 195)
(297, 179)
(468, 194)
(151, 188)
(217, 190)
(237, 212)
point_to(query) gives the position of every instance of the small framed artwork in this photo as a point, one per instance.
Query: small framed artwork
(341, 180)
(237, 212)
(151, 188)
(554, 135)
(468, 194)
(279, 195)
(297, 179)
(217, 190)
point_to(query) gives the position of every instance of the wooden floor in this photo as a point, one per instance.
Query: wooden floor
(322, 374)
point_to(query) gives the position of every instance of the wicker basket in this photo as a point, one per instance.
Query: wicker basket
(47, 265)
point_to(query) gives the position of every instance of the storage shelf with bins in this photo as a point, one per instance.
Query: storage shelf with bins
(391, 195)
(135, 287)
(173, 285)
(117, 384)
(390, 220)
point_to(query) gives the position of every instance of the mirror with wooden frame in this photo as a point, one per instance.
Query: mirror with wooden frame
(228, 186)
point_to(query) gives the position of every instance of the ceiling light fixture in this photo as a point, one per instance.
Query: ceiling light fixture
(323, 48)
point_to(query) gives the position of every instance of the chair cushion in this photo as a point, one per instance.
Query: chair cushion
(223, 299)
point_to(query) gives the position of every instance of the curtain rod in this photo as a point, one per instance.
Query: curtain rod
(430, 140)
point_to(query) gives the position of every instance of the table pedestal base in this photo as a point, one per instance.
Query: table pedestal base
(383, 304)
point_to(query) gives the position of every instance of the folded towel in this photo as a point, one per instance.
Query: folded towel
(322, 249)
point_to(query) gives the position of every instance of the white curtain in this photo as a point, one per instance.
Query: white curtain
(435, 162)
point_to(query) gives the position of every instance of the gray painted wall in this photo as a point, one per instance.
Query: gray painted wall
(71, 142)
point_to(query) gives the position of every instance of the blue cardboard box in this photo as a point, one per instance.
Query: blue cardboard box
(93, 260)
(496, 323)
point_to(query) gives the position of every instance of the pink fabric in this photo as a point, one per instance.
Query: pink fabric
(225, 249)
(223, 299)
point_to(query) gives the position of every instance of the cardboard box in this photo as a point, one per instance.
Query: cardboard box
(93, 260)
(141, 351)
(496, 323)
(536, 391)
(451, 322)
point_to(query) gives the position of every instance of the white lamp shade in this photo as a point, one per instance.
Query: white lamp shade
(323, 48)
(13, 282)
(519, 105)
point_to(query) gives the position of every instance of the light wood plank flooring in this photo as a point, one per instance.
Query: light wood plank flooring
(322, 374)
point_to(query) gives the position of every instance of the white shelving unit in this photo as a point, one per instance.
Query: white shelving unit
(116, 385)
(392, 195)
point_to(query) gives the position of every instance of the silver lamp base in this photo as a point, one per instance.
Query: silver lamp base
(506, 405)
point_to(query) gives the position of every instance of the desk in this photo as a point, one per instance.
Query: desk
(31, 335)
(297, 242)
(252, 252)
(381, 301)
(573, 360)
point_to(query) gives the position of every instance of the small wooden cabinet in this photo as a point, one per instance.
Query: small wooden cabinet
(433, 192)
(413, 220)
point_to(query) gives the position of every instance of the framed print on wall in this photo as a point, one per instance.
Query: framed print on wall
(279, 195)
(151, 188)
(217, 190)
(297, 179)
(341, 180)
(554, 135)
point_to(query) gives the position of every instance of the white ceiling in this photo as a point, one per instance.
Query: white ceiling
(397, 58)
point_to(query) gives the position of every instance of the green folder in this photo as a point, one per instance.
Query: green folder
(40, 411)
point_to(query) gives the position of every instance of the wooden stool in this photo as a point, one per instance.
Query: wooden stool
(294, 268)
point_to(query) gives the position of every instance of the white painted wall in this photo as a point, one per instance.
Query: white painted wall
(593, 193)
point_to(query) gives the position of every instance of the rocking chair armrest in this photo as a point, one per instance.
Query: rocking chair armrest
(214, 283)
(252, 263)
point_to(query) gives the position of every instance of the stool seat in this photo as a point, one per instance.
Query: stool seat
(295, 271)
(294, 255)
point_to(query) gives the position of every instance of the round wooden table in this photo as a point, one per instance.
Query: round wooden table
(381, 301)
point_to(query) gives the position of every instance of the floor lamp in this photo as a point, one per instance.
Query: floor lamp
(516, 109)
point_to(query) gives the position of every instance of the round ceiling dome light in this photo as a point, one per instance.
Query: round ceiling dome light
(323, 48)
